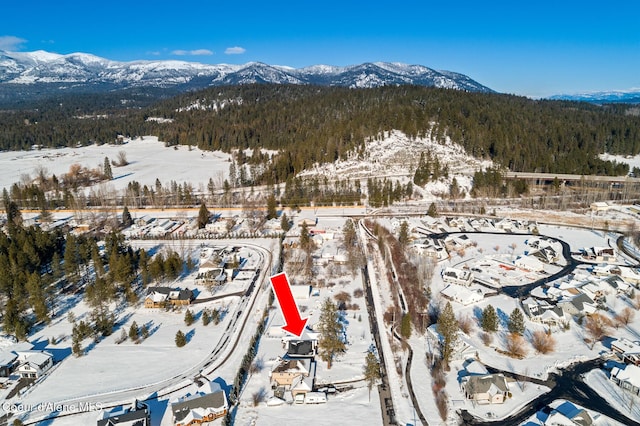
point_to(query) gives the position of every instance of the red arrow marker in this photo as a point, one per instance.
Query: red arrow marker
(288, 306)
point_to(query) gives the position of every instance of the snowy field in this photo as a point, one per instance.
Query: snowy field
(148, 159)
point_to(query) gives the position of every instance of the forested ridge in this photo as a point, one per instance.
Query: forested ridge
(309, 124)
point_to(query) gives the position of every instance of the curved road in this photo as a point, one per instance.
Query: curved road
(566, 385)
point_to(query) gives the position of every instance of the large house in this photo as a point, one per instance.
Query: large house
(287, 371)
(159, 297)
(457, 276)
(462, 295)
(205, 406)
(486, 389)
(627, 378)
(136, 415)
(627, 350)
(33, 364)
(529, 264)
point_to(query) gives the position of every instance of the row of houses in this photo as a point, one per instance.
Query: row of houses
(464, 224)
(578, 295)
(208, 403)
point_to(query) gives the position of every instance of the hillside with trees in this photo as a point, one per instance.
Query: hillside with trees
(309, 124)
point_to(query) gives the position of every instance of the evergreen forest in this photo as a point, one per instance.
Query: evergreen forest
(310, 124)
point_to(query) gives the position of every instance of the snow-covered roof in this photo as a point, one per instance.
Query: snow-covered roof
(630, 374)
(461, 294)
(625, 346)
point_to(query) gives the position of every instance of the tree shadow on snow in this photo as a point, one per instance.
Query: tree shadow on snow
(190, 335)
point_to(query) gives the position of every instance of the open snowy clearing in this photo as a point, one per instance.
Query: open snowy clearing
(148, 159)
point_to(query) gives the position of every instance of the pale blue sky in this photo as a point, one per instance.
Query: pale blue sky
(527, 48)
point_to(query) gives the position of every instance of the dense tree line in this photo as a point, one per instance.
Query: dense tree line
(310, 125)
(383, 192)
(302, 192)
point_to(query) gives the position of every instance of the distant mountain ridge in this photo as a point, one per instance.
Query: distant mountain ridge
(631, 96)
(50, 72)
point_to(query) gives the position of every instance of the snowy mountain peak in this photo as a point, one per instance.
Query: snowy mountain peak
(95, 74)
(631, 96)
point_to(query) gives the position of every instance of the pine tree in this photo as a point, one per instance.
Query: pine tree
(76, 348)
(403, 235)
(203, 216)
(433, 211)
(405, 327)
(516, 322)
(188, 317)
(371, 370)
(37, 298)
(133, 331)
(489, 320)
(108, 174)
(71, 257)
(144, 331)
(447, 326)
(272, 206)
(206, 317)
(215, 316)
(349, 232)
(127, 221)
(180, 339)
(305, 239)
(454, 189)
(284, 222)
(330, 344)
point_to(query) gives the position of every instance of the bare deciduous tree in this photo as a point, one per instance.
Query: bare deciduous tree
(515, 345)
(542, 342)
(465, 322)
(596, 326)
(624, 317)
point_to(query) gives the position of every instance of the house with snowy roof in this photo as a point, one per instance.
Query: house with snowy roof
(159, 297)
(529, 263)
(599, 254)
(486, 389)
(138, 414)
(34, 364)
(206, 405)
(627, 350)
(287, 371)
(457, 276)
(570, 415)
(627, 377)
(462, 295)
(578, 305)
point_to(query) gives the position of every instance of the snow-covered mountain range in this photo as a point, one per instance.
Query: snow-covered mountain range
(631, 96)
(80, 70)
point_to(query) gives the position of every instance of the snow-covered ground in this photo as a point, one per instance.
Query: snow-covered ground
(622, 400)
(631, 161)
(149, 159)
